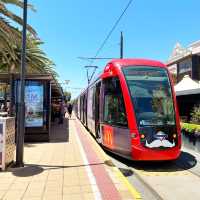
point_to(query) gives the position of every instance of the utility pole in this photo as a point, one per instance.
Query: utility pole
(21, 103)
(90, 78)
(121, 45)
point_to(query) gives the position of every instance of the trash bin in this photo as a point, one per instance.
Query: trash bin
(7, 141)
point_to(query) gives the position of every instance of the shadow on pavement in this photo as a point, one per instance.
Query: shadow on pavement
(184, 162)
(37, 167)
(28, 170)
(29, 145)
(126, 172)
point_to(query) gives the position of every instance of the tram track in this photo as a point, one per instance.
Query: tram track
(141, 183)
(186, 167)
(178, 164)
(151, 189)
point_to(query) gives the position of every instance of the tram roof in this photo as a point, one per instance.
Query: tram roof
(127, 62)
(137, 62)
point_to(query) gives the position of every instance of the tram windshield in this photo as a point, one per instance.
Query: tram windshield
(151, 95)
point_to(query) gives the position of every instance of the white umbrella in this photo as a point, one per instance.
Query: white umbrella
(187, 86)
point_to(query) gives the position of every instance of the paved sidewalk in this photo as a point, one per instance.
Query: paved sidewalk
(71, 166)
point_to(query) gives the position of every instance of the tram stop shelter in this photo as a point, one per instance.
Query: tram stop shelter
(39, 90)
(188, 95)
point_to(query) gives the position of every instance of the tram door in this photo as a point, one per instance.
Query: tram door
(83, 109)
(97, 105)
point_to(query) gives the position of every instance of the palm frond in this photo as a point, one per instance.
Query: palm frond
(18, 3)
(15, 18)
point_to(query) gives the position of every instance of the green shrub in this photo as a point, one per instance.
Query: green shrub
(195, 115)
(191, 128)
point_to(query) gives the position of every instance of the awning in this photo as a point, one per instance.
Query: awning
(187, 86)
(56, 89)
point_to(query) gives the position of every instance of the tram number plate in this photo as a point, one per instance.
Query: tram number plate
(108, 136)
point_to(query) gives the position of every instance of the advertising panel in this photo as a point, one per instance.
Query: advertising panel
(1, 143)
(34, 95)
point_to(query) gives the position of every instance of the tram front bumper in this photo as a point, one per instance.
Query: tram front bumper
(147, 154)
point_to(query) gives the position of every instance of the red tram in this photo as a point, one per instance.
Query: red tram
(131, 110)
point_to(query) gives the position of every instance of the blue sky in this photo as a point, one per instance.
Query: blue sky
(72, 28)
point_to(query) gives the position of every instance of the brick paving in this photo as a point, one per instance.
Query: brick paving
(59, 169)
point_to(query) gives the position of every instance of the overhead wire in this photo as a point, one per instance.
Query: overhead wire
(107, 37)
(113, 28)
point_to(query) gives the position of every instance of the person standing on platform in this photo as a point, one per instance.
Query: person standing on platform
(70, 108)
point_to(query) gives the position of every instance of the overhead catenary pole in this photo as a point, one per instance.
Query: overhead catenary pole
(90, 78)
(121, 46)
(21, 103)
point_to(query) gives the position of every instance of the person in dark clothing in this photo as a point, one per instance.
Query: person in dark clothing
(70, 108)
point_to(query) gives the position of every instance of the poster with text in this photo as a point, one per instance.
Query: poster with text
(34, 105)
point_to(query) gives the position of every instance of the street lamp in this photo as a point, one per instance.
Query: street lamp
(89, 79)
(21, 103)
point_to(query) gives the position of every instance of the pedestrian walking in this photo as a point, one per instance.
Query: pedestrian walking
(70, 108)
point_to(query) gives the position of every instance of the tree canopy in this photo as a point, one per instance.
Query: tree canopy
(10, 43)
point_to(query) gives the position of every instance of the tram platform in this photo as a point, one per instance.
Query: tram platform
(71, 166)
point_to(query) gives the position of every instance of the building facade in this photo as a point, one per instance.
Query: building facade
(184, 65)
(185, 61)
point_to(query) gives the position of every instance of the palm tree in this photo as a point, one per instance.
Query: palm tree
(10, 46)
(10, 42)
(11, 16)
(9, 38)
(36, 60)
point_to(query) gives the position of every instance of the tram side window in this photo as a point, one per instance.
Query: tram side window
(114, 108)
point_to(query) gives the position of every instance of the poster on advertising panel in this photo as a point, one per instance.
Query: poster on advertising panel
(34, 105)
(1, 143)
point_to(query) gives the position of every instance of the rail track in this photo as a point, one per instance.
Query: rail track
(159, 178)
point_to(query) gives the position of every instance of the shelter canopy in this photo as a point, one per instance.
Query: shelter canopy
(187, 86)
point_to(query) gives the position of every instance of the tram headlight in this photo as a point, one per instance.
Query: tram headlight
(142, 136)
(133, 135)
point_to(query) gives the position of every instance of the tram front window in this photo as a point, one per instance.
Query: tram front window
(151, 95)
